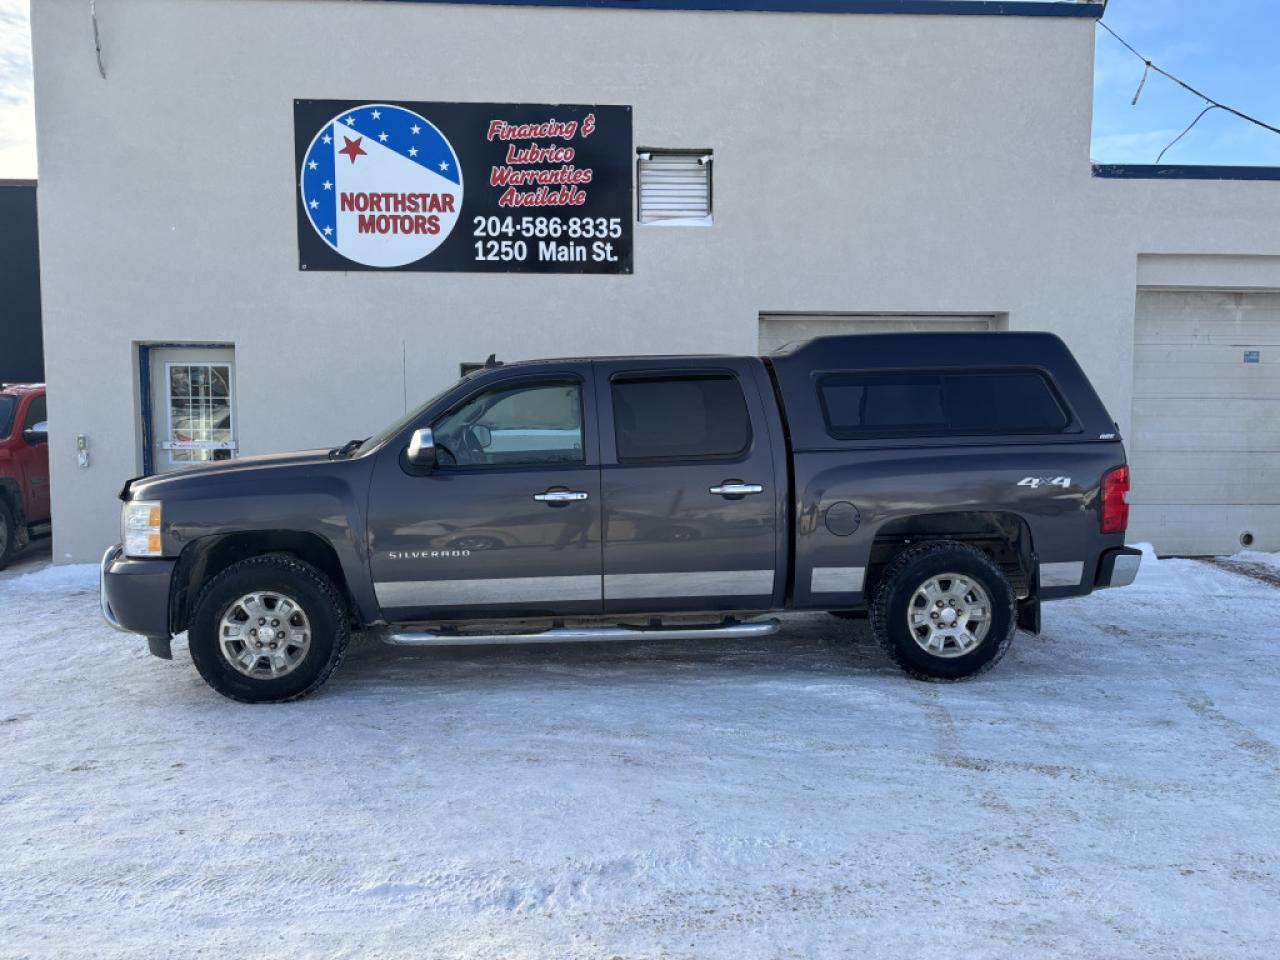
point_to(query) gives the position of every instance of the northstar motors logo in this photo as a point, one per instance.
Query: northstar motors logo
(381, 185)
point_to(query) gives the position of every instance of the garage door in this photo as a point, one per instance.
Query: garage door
(1205, 443)
(779, 329)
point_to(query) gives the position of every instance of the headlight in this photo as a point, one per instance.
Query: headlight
(140, 528)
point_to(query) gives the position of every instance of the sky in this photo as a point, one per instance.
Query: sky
(1228, 49)
(17, 115)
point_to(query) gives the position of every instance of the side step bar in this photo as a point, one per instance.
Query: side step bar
(737, 631)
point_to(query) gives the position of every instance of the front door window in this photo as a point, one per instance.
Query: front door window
(514, 425)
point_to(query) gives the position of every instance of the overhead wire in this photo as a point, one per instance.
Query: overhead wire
(1213, 104)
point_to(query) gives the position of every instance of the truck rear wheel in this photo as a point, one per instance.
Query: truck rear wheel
(268, 629)
(943, 611)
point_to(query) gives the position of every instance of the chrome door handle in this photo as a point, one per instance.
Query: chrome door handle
(560, 496)
(736, 488)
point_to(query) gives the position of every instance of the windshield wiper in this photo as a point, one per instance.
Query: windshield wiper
(348, 448)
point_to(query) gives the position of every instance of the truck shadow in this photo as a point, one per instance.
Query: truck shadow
(34, 556)
(813, 644)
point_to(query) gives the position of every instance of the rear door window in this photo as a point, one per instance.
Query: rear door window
(939, 403)
(679, 417)
(35, 413)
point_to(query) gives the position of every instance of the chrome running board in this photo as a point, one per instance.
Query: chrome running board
(736, 631)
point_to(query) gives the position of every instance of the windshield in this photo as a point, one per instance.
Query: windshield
(382, 436)
(8, 405)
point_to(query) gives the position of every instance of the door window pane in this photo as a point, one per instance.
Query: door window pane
(8, 407)
(680, 418)
(199, 400)
(937, 403)
(36, 413)
(528, 423)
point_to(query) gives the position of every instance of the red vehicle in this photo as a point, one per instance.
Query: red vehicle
(24, 466)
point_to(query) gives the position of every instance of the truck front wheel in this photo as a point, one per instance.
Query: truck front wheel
(943, 611)
(268, 629)
(8, 533)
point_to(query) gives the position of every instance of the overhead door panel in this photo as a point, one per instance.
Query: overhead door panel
(1205, 443)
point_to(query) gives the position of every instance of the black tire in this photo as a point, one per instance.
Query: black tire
(912, 569)
(314, 592)
(8, 534)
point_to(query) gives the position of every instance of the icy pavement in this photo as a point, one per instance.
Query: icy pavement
(1111, 790)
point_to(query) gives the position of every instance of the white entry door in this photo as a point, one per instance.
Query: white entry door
(193, 406)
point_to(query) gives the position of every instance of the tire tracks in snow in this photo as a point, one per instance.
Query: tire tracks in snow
(1193, 695)
(1054, 868)
(1259, 572)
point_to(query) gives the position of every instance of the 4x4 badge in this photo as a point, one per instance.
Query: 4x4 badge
(1036, 482)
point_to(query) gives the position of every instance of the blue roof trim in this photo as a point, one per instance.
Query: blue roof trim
(1142, 171)
(950, 8)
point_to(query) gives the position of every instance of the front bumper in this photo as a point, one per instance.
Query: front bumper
(1119, 567)
(135, 595)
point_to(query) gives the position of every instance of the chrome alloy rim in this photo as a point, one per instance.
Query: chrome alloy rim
(949, 615)
(264, 635)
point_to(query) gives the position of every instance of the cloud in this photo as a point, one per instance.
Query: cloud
(1141, 147)
(17, 99)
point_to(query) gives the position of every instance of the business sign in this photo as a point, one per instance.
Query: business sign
(483, 187)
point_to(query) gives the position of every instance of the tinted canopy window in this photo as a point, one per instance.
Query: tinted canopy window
(924, 402)
(680, 417)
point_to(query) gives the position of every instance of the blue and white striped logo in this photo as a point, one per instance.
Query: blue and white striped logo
(381, 185)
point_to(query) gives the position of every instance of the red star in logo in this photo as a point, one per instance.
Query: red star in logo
(352, 149)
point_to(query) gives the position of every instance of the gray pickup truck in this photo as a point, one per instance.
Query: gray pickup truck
(943, 484)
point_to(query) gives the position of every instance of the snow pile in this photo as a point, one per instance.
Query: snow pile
(1111, 790)
(72, 578)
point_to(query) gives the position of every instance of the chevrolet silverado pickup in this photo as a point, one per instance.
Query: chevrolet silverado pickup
(941, 484)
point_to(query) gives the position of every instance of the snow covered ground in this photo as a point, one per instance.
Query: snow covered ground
(1111, 790)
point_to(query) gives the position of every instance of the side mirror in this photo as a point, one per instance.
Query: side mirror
(421, 452)
(36, 433)
(483, 435)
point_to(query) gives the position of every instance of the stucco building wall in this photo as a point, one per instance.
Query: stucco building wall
(863, 164)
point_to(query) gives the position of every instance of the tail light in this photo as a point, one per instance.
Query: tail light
(1115, 500)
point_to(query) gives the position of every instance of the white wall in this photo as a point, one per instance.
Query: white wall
(869, 164)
